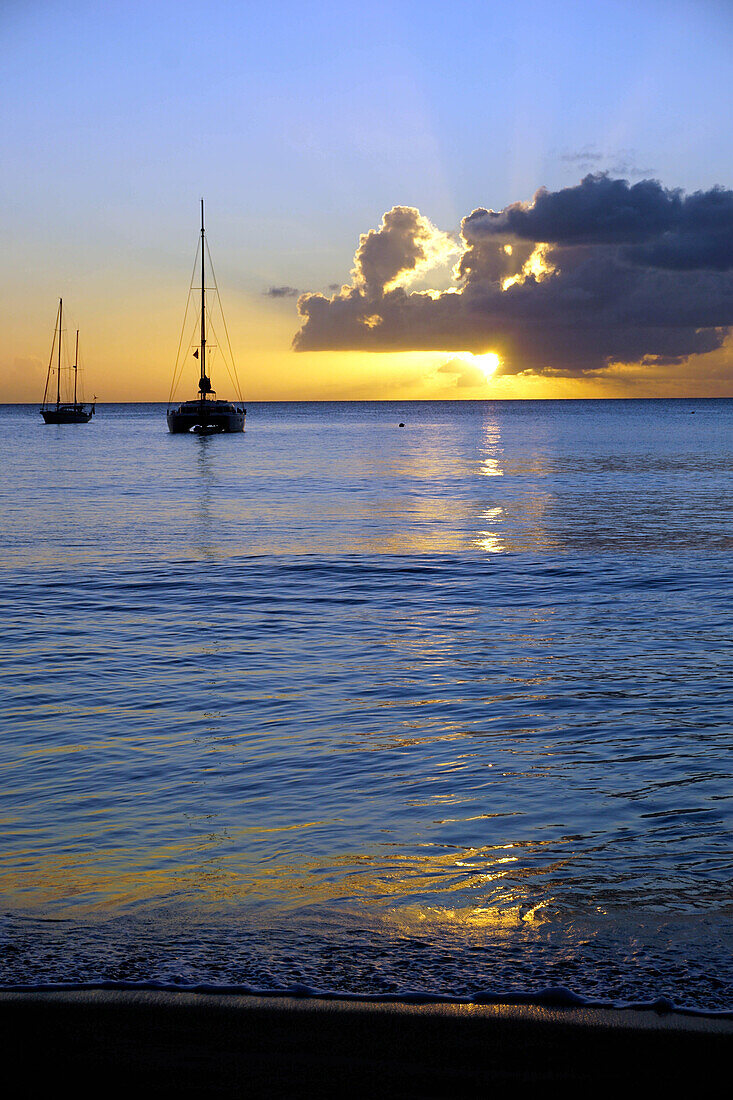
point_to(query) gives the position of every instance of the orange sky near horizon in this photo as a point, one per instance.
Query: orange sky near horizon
(301, 129)
(131, 358)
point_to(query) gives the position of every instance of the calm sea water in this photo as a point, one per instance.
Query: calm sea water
(347, 706)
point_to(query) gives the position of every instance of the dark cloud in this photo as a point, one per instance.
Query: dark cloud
(582, 156)
(281, 292)
(676, 231)
(599, 273)
(620, 162)
(700, 238)
(625, 165)
(599, 210)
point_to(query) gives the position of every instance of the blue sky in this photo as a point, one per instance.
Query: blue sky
(302, 124)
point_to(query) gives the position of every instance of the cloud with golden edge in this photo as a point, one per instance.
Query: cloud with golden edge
(404, 247)
(568, 284)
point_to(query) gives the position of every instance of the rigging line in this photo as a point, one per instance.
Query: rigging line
(226, 330)
(71, 326)
(80, 371)
(235, 377)
(50, 361)
(181, 363)
(63, 364)
(66, 356)
(216, 345)
(180, 366)
(183, 328)
(219, 346)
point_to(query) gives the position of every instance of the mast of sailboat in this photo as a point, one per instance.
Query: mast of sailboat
(58, 369)
(76, 362)
(50, 360)
(203, 381)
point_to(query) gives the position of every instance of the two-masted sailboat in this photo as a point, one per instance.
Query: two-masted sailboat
(69, 410)
(206, 414)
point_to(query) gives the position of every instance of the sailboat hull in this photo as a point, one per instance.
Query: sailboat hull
(68, 414)
(206, 417)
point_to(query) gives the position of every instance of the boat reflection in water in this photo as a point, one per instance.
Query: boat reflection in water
(206, 415)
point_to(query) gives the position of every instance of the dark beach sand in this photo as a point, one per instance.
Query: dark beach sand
(185, 1044)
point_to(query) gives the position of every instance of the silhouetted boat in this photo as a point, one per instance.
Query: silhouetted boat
(205, 415)
(64, 412)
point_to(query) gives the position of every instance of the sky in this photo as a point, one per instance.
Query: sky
(351, 157)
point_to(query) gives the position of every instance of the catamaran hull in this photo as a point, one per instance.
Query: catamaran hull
(72, 415)
(206, 418)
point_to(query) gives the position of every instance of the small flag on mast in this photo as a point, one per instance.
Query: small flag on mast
(196, 354)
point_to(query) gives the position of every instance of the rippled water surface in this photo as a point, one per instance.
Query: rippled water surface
(364, 708)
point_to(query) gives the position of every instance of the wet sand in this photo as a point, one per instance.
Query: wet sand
(186, 1044)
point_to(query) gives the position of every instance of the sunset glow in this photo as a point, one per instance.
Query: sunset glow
(366, 406)
(538, 267)
(382, 220)
(488, 364)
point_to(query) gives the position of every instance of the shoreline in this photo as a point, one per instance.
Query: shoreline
(208, 1044)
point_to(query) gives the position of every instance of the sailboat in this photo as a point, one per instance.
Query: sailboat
(205, 414)
(64, 412)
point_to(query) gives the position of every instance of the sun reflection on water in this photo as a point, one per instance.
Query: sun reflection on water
(490, 541)
(437, 921)
(491, 449)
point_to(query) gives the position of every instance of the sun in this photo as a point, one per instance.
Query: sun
(487, 364)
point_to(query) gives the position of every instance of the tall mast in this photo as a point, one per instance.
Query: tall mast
(203, 380)
(58, 369)
(50, 359)
(76, 362)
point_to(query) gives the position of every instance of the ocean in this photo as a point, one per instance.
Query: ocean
(344, 707)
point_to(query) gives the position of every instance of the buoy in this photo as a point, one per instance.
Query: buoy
(402, 425)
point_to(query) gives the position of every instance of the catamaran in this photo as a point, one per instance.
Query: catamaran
(205, 414)
(67, 411)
